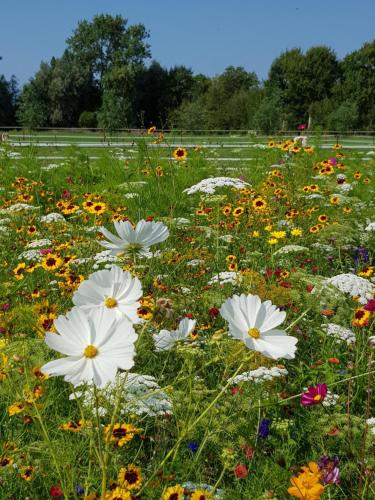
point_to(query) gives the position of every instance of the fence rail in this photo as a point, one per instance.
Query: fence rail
(142, 131)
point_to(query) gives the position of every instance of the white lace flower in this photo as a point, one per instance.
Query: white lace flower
(141, 395)
(114, 289)
(134, 240)
(53, 217)
(211, 184)
(165, 340)
(261, 374)
(339, 332)
(224, 277)
(354, 285)
(96, 347)
(254, 322)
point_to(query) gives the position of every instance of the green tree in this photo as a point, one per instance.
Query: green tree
(117, 110)
(107, 41)
(344, 118)
(303, 80)
(359, 82)
(34, 104)
(152, 97)
(269, 117)
(8, 100)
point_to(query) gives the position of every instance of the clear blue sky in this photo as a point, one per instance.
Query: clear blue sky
(206, 36)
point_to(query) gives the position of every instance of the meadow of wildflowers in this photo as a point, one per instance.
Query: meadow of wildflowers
(182, 329)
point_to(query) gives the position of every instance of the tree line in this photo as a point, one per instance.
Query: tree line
(103, 79)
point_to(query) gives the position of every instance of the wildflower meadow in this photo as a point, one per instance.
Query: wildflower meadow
(183, 321)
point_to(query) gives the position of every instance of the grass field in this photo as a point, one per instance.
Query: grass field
(207, 406)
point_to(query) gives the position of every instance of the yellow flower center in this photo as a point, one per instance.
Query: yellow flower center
(90, 352)
(110, 302)
(318, 397)
(254, 333)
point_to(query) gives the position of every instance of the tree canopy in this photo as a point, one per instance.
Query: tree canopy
(106, 77)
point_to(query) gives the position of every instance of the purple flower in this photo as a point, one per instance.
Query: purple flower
(330, 473)
(193, 446)
(264, 428)
(314, 395)
(361, 254)
(79, 489)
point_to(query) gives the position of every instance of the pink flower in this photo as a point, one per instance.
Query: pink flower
(314, 395)
(302, 126)
(370, 306)
(241, 471)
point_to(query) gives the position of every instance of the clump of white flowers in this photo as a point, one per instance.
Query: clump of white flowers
(212, 183)
(261, 374)
(45, 242)
(31, 255)
(140, 395)
(330, 399)
(224, 277)
(18, 207)
(353, 285)
(370, 227)
(52, 217)
(290, 248)
(339, 332)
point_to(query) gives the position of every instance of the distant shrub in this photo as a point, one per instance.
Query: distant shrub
(87, 119)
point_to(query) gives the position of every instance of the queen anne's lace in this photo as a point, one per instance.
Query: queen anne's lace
(339, 332)
(141, 396)
(354, 285)
(261, 374)
(211, 184)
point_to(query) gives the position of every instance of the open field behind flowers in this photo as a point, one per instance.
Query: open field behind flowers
(174, 327)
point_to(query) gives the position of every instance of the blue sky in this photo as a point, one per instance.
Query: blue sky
(206, 36)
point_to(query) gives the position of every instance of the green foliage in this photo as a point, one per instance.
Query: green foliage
(87, 119)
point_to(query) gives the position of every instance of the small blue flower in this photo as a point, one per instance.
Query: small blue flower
(79, 489)
(264, 428)
(193, 446)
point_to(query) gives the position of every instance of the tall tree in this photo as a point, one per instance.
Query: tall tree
(8, 100)
(359, 82)
(34, 106)
(107, 41)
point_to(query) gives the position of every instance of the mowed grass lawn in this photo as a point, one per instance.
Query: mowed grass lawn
(206, 410)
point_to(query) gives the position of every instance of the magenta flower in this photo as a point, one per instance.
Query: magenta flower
(370, 306)
(302, 126)
(314, 395)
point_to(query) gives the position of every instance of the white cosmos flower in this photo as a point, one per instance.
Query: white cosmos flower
(130, 240)
(96, 346)
(165, 340)
(254, 322)
(114, 290)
